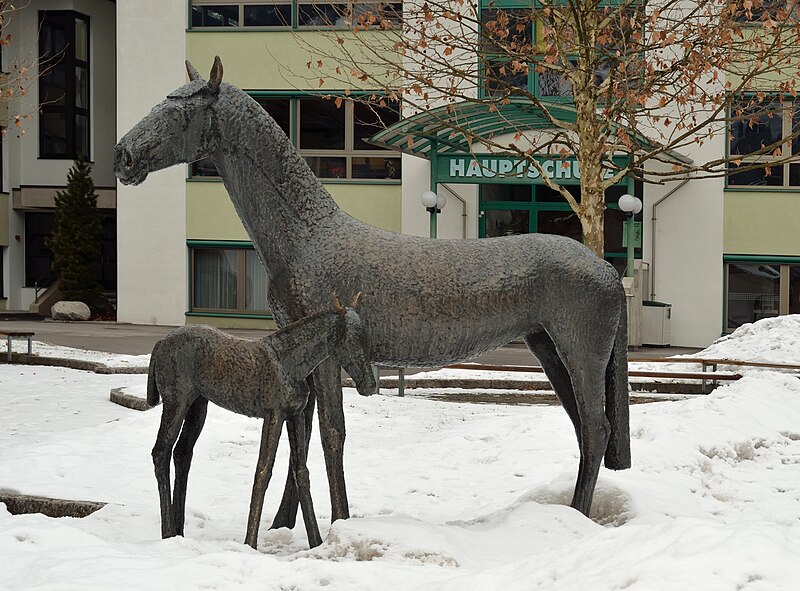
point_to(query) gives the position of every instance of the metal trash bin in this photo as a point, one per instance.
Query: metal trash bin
(656, 323)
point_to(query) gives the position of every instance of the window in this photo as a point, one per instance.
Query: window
(38, 258)
(765, 127)
(331, 139)
(231, 280)
(777, 10)
(63, 85)
(510, 34)
(756, 290)
(294, 13)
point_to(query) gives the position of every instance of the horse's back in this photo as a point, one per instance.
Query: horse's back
(436, 301)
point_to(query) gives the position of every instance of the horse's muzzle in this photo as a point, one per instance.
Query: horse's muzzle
(124, 166)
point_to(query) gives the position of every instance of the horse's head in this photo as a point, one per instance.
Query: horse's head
(352, 347)
(181, 128)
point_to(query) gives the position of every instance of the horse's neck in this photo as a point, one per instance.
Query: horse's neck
(280, 201)
(303, 345)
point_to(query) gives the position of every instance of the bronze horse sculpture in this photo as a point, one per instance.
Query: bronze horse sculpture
(427, 302)
(196, 364)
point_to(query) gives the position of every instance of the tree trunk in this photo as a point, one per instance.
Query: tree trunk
(591, 216)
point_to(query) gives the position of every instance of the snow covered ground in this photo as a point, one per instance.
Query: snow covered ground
(443, 495)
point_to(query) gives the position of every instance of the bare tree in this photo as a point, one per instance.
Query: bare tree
(647, 80)
(16, 77)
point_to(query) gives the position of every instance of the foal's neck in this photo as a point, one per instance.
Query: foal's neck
(303, 345)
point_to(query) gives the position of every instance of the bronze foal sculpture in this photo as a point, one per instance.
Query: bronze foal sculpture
(264, 378)
(429, 302)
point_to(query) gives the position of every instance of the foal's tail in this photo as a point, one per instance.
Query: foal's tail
(153, 396)
(618, 451)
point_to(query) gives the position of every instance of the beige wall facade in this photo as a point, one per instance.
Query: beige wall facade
(762, 223)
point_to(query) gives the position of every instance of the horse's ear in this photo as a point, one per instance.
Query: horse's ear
(193, 73)
(337, 304)
(216, 75)
(357, 299)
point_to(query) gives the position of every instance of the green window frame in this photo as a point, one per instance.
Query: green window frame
(278, 15)
(226, 278)
(772, 122)
(310, 120)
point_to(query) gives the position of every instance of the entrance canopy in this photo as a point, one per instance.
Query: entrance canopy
(436, 129)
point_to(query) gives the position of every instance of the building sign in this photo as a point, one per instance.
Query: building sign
(509, 169)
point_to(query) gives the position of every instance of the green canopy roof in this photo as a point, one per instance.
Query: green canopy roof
(446, 126)
(416, 134)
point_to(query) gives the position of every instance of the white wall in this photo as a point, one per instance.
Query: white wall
(151, 218)
(687, 268)
(450, 223)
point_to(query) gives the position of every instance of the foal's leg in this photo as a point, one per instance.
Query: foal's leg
(287, 511)
(299, 453)
(270, 435)
(192, 426)
(172, 416)
(328, 383)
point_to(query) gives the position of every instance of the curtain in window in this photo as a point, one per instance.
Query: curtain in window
(255, 290)
(215, 279)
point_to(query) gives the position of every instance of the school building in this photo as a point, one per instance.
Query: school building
(722, 252)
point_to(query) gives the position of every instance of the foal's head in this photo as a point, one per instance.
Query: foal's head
(181, 128)
(351, 347)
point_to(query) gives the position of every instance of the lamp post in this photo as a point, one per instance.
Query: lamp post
(631, 206)
(434, 204)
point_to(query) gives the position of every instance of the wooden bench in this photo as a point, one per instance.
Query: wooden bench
(18, 334)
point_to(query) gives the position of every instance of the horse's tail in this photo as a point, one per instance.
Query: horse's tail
(618, 451)
(153, 396)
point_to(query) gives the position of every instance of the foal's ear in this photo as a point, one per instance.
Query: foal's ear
(193, 73)
(357, 299)
(337, 304)
(215, 79)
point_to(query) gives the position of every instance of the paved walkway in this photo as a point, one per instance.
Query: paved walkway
(138, 339)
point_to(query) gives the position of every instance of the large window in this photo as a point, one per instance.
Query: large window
(512, 28)
(228, 280)
(767, 128)
(756, 290)
(296, 14)
(331, 138)
(63, 85)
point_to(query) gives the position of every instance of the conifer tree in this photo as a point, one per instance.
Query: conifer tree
(77, 238)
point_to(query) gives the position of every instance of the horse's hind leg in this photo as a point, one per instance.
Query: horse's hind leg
(192, 426)
(299, 455)
(270, 435)
(585, 348)
(171, 419)
(542, 346)
(580, 386)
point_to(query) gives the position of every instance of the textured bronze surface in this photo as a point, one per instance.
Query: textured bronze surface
(427, 302)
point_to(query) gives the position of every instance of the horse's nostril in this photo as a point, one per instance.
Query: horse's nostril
(127, 161)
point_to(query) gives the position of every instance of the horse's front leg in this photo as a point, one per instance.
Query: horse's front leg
(299, 454)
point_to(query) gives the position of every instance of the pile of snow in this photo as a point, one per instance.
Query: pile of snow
(770, 340)
(442, 495)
